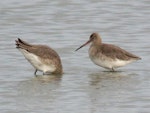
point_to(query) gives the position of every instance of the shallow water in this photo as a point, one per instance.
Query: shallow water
(84, 87)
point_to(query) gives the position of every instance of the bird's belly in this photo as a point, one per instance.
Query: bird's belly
(109, 63)
(36, 62)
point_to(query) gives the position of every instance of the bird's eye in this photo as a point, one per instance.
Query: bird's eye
(93, 36)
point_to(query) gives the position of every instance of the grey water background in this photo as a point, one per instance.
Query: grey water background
(84, 87)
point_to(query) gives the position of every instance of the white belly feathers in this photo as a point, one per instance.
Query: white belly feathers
(36, 62)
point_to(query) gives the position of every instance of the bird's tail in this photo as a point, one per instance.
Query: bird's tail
(22, 44)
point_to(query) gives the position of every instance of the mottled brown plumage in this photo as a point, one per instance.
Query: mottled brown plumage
(44, 56)
(114, 52)
(107, 55)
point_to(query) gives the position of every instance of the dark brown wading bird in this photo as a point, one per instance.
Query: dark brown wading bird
(42, 57)
(107, 55)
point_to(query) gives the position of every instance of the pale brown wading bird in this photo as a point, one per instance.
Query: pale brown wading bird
(42, 57)
(107, 55)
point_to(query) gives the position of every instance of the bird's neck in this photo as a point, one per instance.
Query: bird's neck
(96, 44)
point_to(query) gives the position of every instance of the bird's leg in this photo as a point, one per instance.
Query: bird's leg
(35, 72)
(112, 69)
(46, 73)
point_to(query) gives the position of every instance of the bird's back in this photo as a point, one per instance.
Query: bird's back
(116, 52)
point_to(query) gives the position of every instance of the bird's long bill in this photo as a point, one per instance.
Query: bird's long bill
(83, 45)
